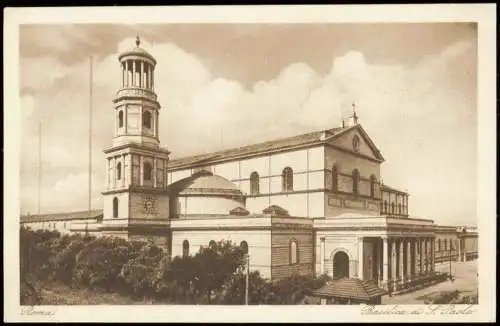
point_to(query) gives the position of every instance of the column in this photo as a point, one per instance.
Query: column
(125, 120)
(142, 79)
(122, 65)
(141, 170)
(154, 172)
(133, 74)
(107, 174)
(394, 263)
(379, 261)
(459, 258)
(322, 256)
(408, 259)
(433, 249)
(413, 257)
(360, 259)
(127, 83)
(385, 260)
(123, 170)
(152, 80)
(401, 260)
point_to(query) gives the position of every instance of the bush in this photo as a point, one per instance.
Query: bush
(64, 262)
(99, 263)
(36, 248)
(143, 273)
(260, 290)
(293, 289)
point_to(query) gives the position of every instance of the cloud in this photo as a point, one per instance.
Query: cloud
(408, 110)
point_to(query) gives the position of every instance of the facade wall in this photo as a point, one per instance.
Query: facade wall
(159, 208)
(336, 204)
(346, 163)
(394, 203)
(197, 205)
(281, 239)
(123, 206)
(259, 244)
(308, 175)
(446, 246)
(336, 242)
(61, 226)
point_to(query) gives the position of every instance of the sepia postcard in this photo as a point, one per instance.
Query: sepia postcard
(250, 164)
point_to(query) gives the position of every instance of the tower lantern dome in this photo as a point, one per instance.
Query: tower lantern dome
(137, 53)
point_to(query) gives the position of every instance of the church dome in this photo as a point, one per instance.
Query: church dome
(206, 183)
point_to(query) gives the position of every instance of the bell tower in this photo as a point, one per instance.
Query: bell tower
(136, 176)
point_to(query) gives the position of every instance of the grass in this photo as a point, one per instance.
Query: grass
(60, 294)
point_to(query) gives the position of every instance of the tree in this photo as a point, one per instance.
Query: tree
(143, 272)
(98, 265)
(260, 290)
(215, 265)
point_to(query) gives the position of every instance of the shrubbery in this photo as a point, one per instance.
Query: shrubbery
(215, 274)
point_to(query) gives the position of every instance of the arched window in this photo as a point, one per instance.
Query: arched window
(254, 183)
(118, 171)
(211, 244)
(120, 119)
(115, 207)
(146, 119)
(244, 246)
(392, 208)
(335, 178)
(439, 244)
(355, 182)
(385, 206)
(287, 179)
(185, 248)
(399, 208)
(294, 252)
(147, 171)
(373, 182)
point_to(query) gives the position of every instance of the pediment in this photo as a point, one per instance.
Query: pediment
(356, 140)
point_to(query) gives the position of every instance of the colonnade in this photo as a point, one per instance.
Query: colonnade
(405, 258)
(137, 73)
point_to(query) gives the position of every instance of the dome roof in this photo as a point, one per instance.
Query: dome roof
(206, 183)
(137, 50)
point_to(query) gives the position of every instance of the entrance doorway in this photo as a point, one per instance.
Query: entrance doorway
(341, 265)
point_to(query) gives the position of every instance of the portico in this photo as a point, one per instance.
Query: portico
(394, 252)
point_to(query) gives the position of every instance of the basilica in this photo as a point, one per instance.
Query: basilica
(310, 204)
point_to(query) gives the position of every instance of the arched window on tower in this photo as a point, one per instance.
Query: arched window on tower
(287, 179)
(115, 207)
(244, 246)
(335, 178)
(254, 183)
(294, 252)
(146, 119)
(147, 171)
(118, 171)
(355, 182)
(373, 183)
(185, 248)
(120, 119)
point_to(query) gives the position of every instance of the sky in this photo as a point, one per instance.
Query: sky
(227, 85)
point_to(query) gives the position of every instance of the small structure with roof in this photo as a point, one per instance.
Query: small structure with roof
(350, 291)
